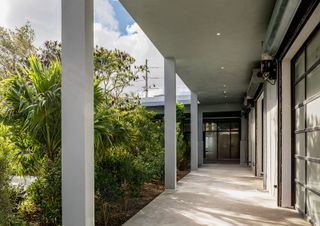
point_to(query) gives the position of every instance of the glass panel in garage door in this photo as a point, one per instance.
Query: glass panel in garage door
(313, 144)
(299, 66)
(313, 82)
(300, 118)
(300, 92)
(300, 170)
(313, 204)
(313, 176)
(313, 113)
(300, 144)
(313, 50)
(300, 197)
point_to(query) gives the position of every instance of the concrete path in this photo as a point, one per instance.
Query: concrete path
(216, 195)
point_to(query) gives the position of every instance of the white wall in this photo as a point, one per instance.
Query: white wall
(200, 138)
(251, 139)
(244, 141)
(202, 108)
(271, 138)
(219, 107)
(259, 138)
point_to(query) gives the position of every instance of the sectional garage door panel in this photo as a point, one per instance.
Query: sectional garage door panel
(306, 110)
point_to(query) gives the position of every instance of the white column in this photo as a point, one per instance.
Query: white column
(244, 141)
(194, 131)
(200, 137)
(286, 155)
(170, 122)
(77, 113)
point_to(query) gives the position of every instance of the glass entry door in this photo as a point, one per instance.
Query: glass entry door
(221, 141)
(211, 149)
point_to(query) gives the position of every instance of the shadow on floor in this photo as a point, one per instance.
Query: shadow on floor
(216, 195)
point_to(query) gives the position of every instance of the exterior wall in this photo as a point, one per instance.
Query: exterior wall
(286, 139)
(200, 138)
(259, 136)
(202, 108)
(244, 141)
(251, 139)
(271, 138)
(219, 107)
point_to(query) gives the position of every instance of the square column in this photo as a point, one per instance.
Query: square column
(194, 131)
(244, 141)
(200, 137)
(77, 113)
(170, 123)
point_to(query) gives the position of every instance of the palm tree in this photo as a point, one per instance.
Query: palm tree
(32, 104)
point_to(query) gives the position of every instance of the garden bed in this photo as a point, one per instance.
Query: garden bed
(118, 215)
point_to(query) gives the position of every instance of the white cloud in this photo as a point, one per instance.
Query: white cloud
(44, 15)
(105, 14)
(45, 18)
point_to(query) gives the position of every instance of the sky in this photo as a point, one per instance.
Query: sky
(113, 28)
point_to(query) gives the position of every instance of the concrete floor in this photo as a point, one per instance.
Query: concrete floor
(216, 195)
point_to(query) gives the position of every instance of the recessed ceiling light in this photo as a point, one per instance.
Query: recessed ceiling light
(224, 85)
(222, 68)
(224, 92)
(218, 34)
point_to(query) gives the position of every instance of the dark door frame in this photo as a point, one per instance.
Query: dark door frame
(222, 120)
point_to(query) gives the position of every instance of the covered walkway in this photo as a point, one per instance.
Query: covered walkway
(217, 194)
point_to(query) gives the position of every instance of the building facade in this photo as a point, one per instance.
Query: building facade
(253, 68)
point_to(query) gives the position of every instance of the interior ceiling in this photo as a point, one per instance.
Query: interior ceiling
(187, 30)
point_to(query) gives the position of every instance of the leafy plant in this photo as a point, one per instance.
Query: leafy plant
(128, 141)
(43, 202)
(32, 104)
(5, 205)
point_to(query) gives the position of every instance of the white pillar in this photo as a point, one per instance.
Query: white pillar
(170, 122)
(77, 113)
(200, 137)
(244, 141)
(194, 131)
(286, 154)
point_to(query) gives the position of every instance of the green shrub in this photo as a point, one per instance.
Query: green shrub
(119, 174)
(118, 177)
(10, 196)
(5, 205)
(43, 202)
(181, 148)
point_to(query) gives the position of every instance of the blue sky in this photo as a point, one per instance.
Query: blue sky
(122, 16)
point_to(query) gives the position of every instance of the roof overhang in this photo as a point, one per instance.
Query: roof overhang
(207, 62)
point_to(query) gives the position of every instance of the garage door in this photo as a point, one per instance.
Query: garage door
(306, 110)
